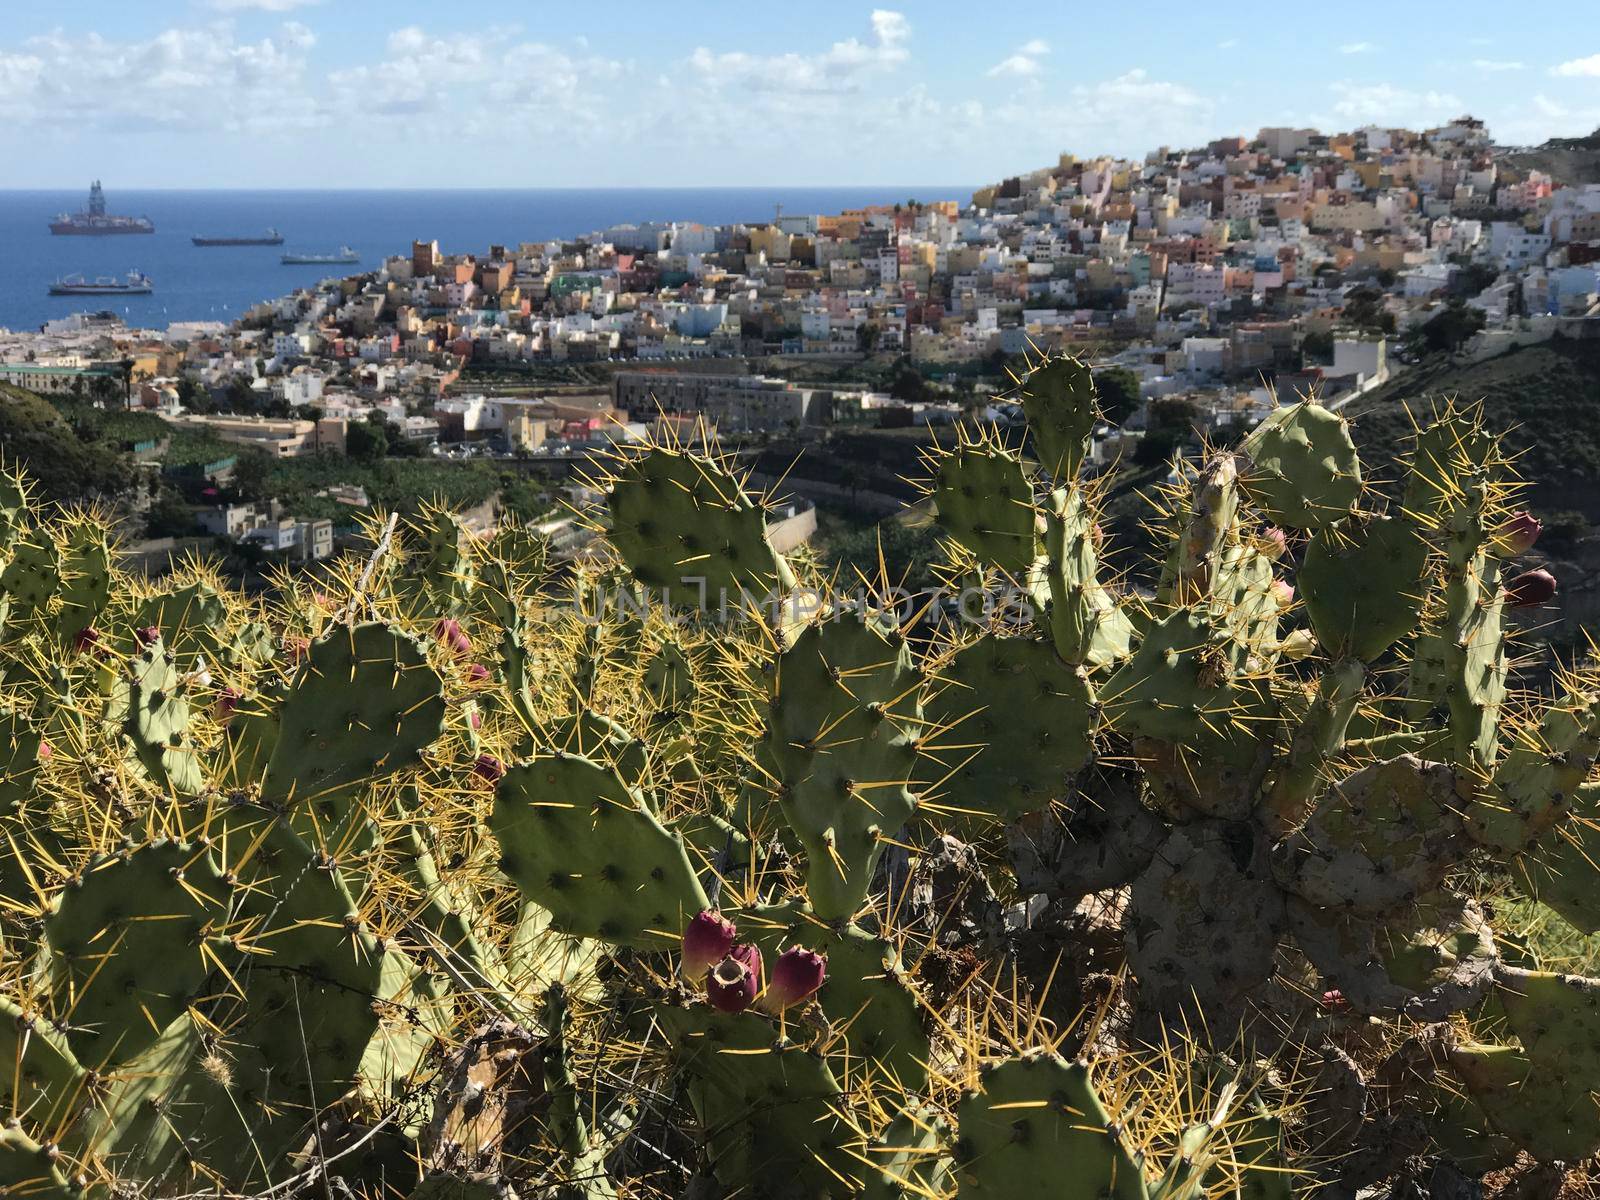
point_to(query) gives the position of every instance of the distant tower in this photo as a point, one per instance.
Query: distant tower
(777, 216)
(97, 200)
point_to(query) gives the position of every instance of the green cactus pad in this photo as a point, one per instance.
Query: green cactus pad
(1363, 583)
(1563, 871)
(595, 736)
(1087, 625)
(31, 1170)
(985, 503)
(20, 746)
(31, 578)
(128, 939)
(576, 840)
(193, 621)
(1425, 962)
(669, 681)
(441, 575)
(766, 1108)
(909, 1159)
(1380, 838)
(1537, 782)
(1206, 919)
(364, 705)
(1058, 398)
(1036, 1127)
(842, 730)
(39, 1075)
(157, 721)
(1304, 472)
(1009, 725)
(679, 519)
(1555, 1120)
(85, 581)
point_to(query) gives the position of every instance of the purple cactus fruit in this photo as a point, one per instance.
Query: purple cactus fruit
(227, 703)
(148, 635)
(45, 750)
(449, 631)
(1518, 534)
(87, 638)
(1531, 589)
(732, 984)
(477, 673)
(488, 768)
(475, 719)
(796, 976)
(707, 940)
(1274, 542)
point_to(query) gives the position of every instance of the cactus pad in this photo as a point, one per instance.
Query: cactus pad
(1304, 472)
(1058, 398)
(364, 705)
(1009, 724)
(1036, 1127)
(1380, 838)
(1363, 584)
(128, 940)
(157, 722)
(576, 840)
(682, 521)
(986, 504)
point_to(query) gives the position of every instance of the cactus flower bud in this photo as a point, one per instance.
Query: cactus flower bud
(449, 632)
(1531, 589)
(148, 635)
(732, 984)
(796, 976)
(706, 940)
(477, 673)
(1333, 1000)
(1274, 543)
(1297, 645)
(1518, 534)
(87, 638)
(1283, 592)
(475, 719)
(488, 768)
(227, 702)
(45, 750)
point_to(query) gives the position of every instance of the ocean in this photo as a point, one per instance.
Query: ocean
(196, 284)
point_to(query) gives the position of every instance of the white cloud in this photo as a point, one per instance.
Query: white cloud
(1496, 64)
(1393, 107)
(1548, 107)
(1357, 48)
(1227, 43)
(1579, 67)
(276, 6)
(841, 68)
(1024, 64)
(186, 79)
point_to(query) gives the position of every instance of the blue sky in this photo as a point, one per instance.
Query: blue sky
(367, 93)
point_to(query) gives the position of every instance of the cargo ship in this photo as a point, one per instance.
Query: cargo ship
(345, 255)
(271, 238)
(136, 284)
(94, 221)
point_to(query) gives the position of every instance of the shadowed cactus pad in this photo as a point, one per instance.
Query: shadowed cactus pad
(985, 503)
(1363, 583)
(1059, 400)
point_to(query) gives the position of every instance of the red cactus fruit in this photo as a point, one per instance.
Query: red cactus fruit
(1333, 1001)
(1519, 533)
(297, 648)
(796, 976)
(227, 703)
(706, 941)
(488, 768)
(87, 638)
(477, 673)
(45, 750)
(449, 632)
(732, 984)
(148, 635)
(1531, 589)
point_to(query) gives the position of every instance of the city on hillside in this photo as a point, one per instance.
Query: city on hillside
(1198, 283)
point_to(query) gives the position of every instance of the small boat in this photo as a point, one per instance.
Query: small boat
(271, 238)
(136, 284)
(345, 255)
